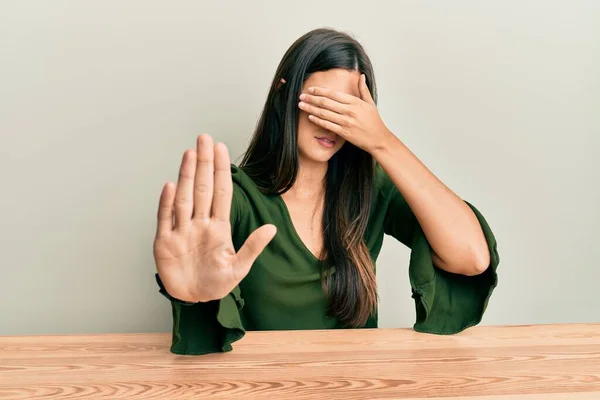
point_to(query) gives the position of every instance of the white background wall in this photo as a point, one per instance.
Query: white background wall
(98, 100)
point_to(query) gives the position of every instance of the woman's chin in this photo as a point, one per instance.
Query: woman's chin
(317, 156)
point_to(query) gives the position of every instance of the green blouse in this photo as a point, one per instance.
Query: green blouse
(283, 289)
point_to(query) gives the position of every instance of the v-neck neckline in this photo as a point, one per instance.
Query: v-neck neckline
(286, 213)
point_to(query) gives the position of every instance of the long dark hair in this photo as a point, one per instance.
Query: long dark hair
(272, 162)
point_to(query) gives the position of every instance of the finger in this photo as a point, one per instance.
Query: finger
(164, 225)
(340, 97)
(365, 93)
(323, 113)
(184, 205)
(221, 206)
(330, 126)
(324, 102)
(205, 170)
(254, 245)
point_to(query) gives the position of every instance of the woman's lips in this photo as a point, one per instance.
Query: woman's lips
(326, 142)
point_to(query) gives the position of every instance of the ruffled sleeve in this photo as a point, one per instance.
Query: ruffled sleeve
(203, 328)
(445, 303)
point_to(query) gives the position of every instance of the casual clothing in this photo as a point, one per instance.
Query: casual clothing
(283, 289)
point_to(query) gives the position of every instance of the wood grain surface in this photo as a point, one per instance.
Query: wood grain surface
(541, 362)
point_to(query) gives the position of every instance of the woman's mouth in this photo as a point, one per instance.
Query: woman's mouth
(326, 142)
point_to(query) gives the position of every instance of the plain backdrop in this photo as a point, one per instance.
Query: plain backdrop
(99, 100)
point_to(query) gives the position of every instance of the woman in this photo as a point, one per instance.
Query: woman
(289, 239)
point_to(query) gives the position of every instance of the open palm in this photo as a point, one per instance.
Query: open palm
(193, 250)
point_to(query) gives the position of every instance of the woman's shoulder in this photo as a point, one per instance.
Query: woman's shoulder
(245, 189)
(241, 180)
(386, 192)
(238, 176)
(248, 201)
(381, 182)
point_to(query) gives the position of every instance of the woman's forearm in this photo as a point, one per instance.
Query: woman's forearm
(451, 227)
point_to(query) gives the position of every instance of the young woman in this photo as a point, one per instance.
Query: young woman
(289, 239)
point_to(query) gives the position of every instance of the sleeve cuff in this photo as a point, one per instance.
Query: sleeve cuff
(205, 328)
(449, 303)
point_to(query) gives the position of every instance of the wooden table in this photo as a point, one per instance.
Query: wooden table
(542, 362)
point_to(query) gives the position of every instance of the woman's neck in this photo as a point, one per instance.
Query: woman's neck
(310, 181)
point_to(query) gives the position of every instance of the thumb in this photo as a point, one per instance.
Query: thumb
(254, 245)
(365, 94)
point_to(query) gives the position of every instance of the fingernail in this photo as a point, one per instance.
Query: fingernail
(312, 89)
(302, 96)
